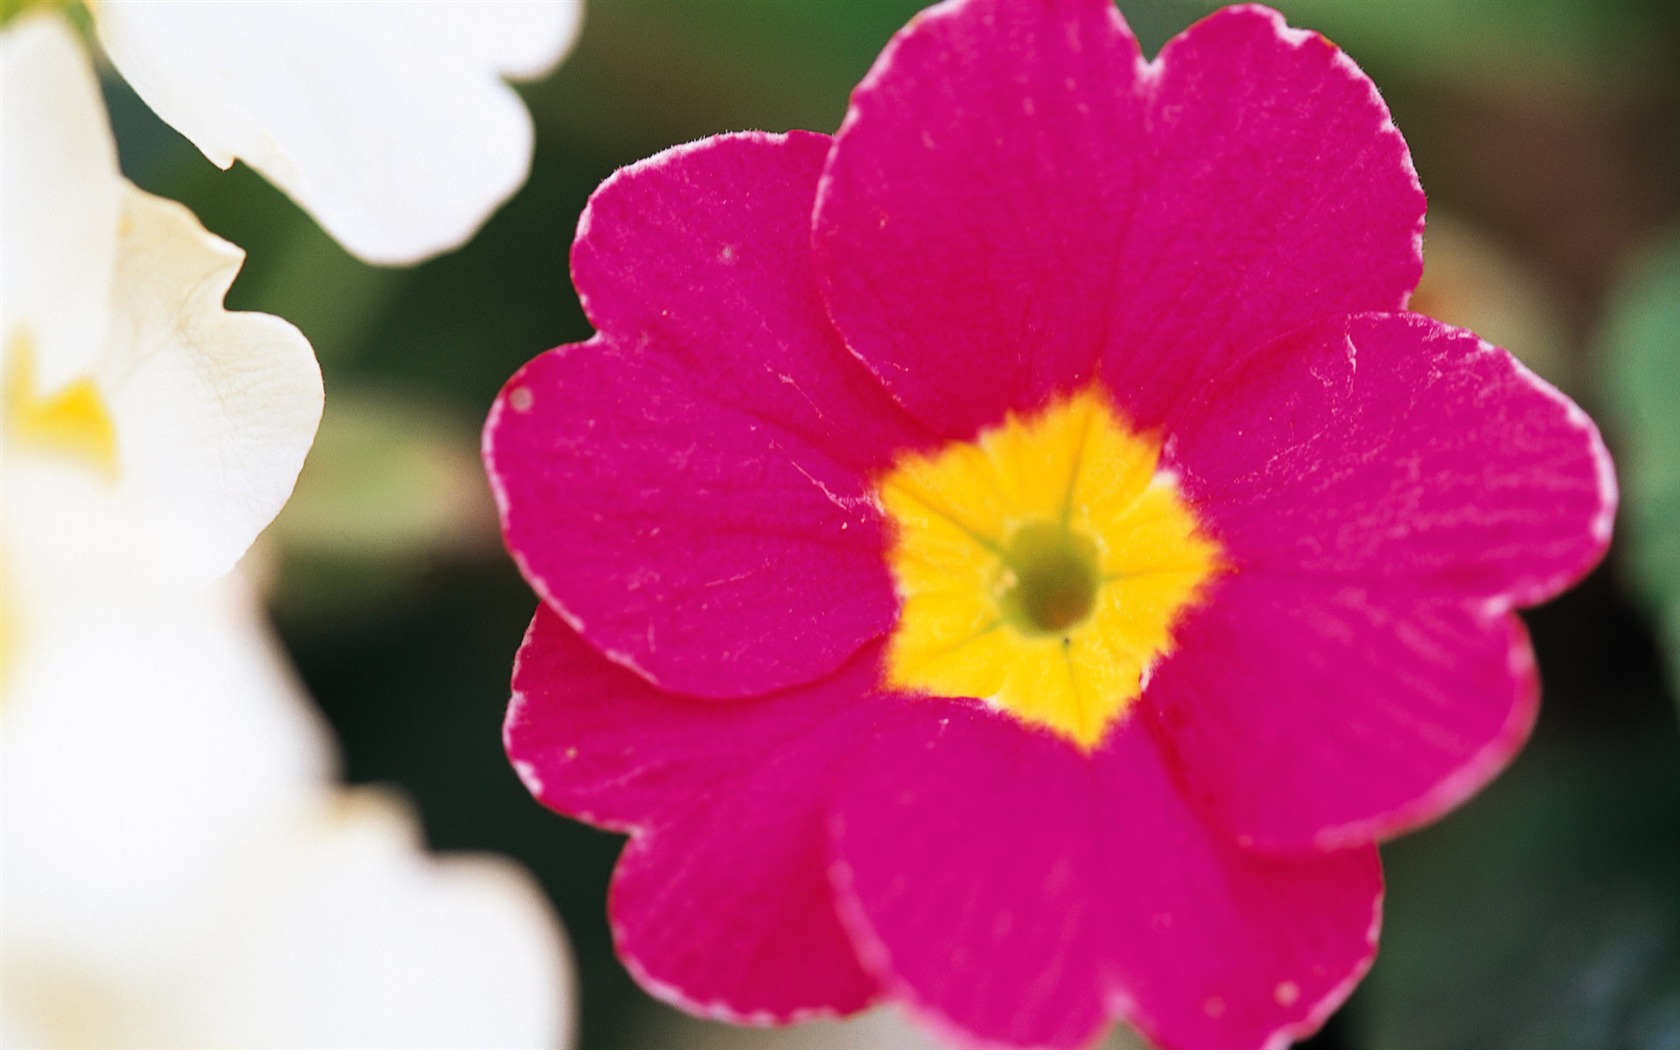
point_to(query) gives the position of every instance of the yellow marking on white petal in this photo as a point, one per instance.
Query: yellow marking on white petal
(71, 421)
(1041, 566)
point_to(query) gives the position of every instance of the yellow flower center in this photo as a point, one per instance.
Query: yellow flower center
(72, 420)
(1041, 566)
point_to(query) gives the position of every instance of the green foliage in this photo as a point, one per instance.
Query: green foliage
(1543, 916)
(1641, 348)
(392, 487)
(1592, 46)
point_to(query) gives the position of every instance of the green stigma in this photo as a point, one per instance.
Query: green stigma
(1050, 579)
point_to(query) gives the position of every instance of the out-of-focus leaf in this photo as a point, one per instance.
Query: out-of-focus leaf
(392, 484)
(1641, 351)
(1543, 916)
(1591, 46)
(683, 70)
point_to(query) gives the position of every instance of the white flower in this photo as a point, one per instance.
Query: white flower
(149, 434)
(178, 869)
(179, 873)
(389, 122)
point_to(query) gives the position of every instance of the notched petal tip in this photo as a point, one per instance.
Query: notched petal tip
(215, 410)
(973, 203)
(723, 166)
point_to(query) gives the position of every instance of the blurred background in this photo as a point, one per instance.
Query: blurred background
(1544, 914)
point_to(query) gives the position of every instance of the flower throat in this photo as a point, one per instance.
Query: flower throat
(1041, 566)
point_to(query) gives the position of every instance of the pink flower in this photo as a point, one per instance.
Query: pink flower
(1014, 558)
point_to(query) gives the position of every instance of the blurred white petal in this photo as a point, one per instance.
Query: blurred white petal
(519, 39)
(179, 872)
(178, 869)
(144, 739)
(390, 947)
(59, 200)
(390, 123)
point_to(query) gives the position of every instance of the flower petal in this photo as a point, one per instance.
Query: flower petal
(60, 202)
(213, 411)
(1015, 195)
(350, 934)
(1279, 191)
(714, 527)
(1393, 448)
(701, 255)
(968, 223)
(1309, 713)
(174, 852)
(143, 738)
(721, 902)
(1011, 890)
(389, 123)
(189, 423)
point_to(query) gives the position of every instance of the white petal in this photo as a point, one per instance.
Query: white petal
(388, 122)
(214, 411)
(60, 197)
(178, 872)
(212, 414)
(520, 39)
(143, 741)
(348, 934)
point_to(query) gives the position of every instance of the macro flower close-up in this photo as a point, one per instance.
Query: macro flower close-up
(1016, 557)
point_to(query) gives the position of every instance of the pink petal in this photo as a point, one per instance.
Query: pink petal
(1280, 191)
(1013, 891)
(968, 223)
(692, 489)
(1393, 448)
(721, 903)
(702, 256)
(1015, 196)
(1310, 713)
